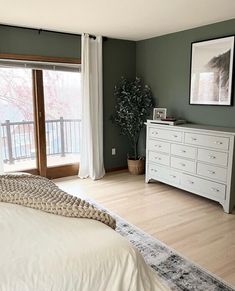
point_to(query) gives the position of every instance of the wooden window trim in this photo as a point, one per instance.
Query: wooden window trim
(40, 131)
(34, 58)
(62, 171)
(45, 171)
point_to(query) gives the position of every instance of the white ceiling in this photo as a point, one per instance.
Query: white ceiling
(125, 19)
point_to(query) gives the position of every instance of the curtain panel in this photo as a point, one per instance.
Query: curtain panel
(91, 161)
(1, 157)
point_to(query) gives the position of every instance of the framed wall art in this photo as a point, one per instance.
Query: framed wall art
(212, 71)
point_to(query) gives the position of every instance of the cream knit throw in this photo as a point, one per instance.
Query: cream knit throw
(40, 193)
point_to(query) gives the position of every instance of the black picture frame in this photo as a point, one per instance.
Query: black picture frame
(212, 72)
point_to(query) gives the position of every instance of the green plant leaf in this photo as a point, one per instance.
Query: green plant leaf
(134, 102)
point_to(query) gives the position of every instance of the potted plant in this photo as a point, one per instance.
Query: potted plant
(134, 103)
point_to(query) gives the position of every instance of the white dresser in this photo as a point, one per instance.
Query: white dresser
(195, 158)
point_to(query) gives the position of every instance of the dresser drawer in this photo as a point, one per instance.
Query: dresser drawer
(184, 165)
(165, 174)
(213, 157)
(211, 141)
(159, 158)
(154, 171)
(183, 151)
(160, 146)
(165, 134)
(203, 187)
(212, 172)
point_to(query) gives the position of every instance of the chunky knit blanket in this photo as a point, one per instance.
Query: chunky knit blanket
(42, 194)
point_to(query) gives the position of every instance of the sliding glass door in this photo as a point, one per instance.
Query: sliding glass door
(17, 130)
(40, 120)
(62, 117)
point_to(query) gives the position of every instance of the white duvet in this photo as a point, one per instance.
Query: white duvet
(46, 252)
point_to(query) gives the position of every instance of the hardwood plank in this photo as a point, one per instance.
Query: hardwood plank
(192, 225)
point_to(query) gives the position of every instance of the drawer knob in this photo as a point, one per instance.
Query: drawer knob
(175, 135)
(218, 142)
(182, 164)
(214, 189)
(153, 170)
(211, 157)
(157, 146)
(191, 182)
(173, 176)
(211, 172)
(155, 132)
(194, 138)
(157, 158)
(183, 151)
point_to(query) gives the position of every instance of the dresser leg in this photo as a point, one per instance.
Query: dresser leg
(226, 208)
(146, 179)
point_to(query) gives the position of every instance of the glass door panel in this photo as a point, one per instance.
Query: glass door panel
(62, 117)
(17, 126)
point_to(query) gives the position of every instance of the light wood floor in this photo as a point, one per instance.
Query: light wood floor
(195, 227)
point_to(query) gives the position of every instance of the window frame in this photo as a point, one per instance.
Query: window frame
(39, 117)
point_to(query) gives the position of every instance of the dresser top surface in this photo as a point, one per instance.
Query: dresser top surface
(194, 126)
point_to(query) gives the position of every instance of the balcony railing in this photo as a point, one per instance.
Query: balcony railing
(18, 139)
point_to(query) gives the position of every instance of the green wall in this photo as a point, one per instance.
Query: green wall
(119, 59)
(164, 63)
(30, 42)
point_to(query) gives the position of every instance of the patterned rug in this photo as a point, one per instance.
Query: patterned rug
(177, 272)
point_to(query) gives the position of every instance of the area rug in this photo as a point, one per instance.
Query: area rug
(176, 271)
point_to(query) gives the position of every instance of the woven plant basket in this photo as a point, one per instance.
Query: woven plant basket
(136, 167)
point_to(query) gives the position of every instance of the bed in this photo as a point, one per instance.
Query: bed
(41, 251)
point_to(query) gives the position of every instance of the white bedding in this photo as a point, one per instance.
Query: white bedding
(46, 252)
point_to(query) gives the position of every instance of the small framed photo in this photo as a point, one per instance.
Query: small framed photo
(159, 113)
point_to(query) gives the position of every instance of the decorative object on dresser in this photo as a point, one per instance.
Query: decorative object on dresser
(134, 103)
(168, 121)
(195, 158)
(211, 71)
(159, 113)
(160, 117)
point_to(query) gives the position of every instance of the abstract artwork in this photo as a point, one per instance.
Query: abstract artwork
(212, 71)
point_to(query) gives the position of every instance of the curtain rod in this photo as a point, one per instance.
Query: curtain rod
(40, 30)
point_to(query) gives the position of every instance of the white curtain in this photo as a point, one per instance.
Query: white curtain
(91, 161)
(1, 158)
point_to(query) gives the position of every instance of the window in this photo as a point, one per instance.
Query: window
(40, 116)
(62, 117)
(17, 119)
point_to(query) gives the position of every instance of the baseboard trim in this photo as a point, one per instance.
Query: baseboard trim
(116, 169)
